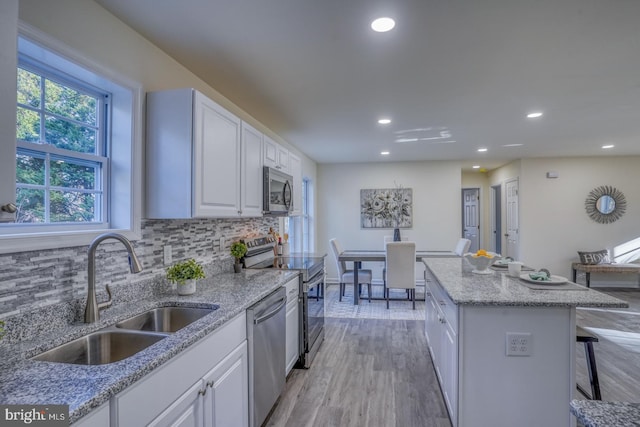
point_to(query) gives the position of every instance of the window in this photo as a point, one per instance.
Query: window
(300, 227)
(61, 165)
(77, 158)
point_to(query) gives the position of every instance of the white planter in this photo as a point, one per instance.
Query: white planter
(188, 288)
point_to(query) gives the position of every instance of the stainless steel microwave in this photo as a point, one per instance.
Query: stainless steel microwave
(277, 192)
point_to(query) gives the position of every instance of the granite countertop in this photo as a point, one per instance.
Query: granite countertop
(498, 288)
(596, 413)
(83, 388)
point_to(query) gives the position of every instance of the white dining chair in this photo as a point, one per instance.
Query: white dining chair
(401, 269)
(462, 247)
(346, 276)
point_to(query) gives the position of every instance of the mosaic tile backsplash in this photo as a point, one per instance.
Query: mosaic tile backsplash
(30, 280)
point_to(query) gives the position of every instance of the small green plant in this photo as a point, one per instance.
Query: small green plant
(183, 271)
(238, 250)
(2, 331)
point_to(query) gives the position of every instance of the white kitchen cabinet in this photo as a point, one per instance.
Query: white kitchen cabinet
(441, 331)
(295, 168)
(275, 155)
(251, 170)
(193, 158)
(174, 394)
(227, 388)
(292, 331)
(98, 417)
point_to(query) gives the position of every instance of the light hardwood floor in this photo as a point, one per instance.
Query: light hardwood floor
(374, 372)
(369, 372)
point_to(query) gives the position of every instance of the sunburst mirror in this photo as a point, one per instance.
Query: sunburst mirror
(605, 204)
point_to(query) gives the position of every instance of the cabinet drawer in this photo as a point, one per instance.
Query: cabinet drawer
(292, 287)
(449, 309)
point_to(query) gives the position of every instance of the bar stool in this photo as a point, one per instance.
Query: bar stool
(588, 339)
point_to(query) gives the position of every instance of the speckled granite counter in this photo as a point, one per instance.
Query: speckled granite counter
(467, 288)
(83, 388)
(595, 413)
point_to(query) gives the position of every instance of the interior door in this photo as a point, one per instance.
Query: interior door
(512, 220)
(496, 219)
(471, 217)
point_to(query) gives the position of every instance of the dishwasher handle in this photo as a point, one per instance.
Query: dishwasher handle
(281, 303)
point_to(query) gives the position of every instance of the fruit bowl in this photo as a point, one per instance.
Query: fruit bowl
(481, 261)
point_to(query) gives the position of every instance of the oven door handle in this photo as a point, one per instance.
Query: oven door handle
(315, 282)
(281, 303)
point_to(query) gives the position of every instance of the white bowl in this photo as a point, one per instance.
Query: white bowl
(481, 263)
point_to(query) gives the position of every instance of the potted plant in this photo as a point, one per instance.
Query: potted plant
(238, 250)
(185, 274)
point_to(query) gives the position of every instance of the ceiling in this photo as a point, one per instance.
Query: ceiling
(453, 75)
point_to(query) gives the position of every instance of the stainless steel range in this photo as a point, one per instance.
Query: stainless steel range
(261, 254)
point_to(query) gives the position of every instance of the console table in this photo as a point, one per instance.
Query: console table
(602, 268)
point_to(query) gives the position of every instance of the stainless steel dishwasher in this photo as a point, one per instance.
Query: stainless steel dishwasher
(266, 322)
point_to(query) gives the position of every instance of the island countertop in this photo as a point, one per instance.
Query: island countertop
(499, 289)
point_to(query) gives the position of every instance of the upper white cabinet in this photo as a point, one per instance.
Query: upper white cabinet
(295, 169)
(195, 155)
(275, 155)
(251, 170)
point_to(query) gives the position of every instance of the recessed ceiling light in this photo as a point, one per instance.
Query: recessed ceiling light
(606, 147)
(384, 153)
(384, 121)
(482, 150)
(513, 145)
(534, 115)
(476, 166)
(382, 25)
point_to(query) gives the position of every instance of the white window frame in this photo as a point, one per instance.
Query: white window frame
(125, 165)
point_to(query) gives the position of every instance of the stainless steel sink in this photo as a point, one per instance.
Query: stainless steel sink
(101, 347)
(165, 319)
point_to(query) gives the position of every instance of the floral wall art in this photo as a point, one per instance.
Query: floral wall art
(386, 208)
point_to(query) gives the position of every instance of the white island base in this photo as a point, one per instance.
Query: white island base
(470, 322)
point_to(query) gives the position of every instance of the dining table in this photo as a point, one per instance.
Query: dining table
(358, 256)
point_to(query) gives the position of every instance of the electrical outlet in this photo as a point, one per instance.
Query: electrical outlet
(519, 343)
(222, 243)
(168, 255)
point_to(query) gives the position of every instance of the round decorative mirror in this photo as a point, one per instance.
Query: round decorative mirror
(605, 204)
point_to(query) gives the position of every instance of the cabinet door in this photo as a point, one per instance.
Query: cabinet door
(187, 411)
(283, 159)
(227, 397)
(216, 172)
(433, 330)
(292, 333)
(449, 370)
(251, 169)
(270, 152)
(295, 168)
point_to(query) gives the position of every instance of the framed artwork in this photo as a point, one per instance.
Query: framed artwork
(386, 208)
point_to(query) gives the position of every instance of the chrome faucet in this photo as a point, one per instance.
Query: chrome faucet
(92, 310)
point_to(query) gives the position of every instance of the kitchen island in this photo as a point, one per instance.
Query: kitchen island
(89, 389)
(504, 354)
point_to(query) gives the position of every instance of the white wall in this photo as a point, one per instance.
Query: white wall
(436, 210)
(554, 224)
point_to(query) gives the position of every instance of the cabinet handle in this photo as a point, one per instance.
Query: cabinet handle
(202, 392)
(428, 294)
(442, 303)
(209, 384)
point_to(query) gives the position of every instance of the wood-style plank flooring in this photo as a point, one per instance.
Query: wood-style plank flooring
(368, 372)
(617, 352)
(373, 372)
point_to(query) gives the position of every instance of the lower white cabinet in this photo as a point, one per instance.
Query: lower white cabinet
(292, 347)
(206, 385)
(97, 418)
(441, 331)
(219, 399)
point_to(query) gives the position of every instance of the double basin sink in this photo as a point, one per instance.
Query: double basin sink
(126, 338)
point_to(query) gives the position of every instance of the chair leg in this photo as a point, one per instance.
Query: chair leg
(593, 371)
(413, 298)
(340, 292)
(386, 295)
(369, 288)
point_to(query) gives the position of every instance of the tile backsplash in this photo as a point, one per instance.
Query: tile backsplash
(29, 280)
